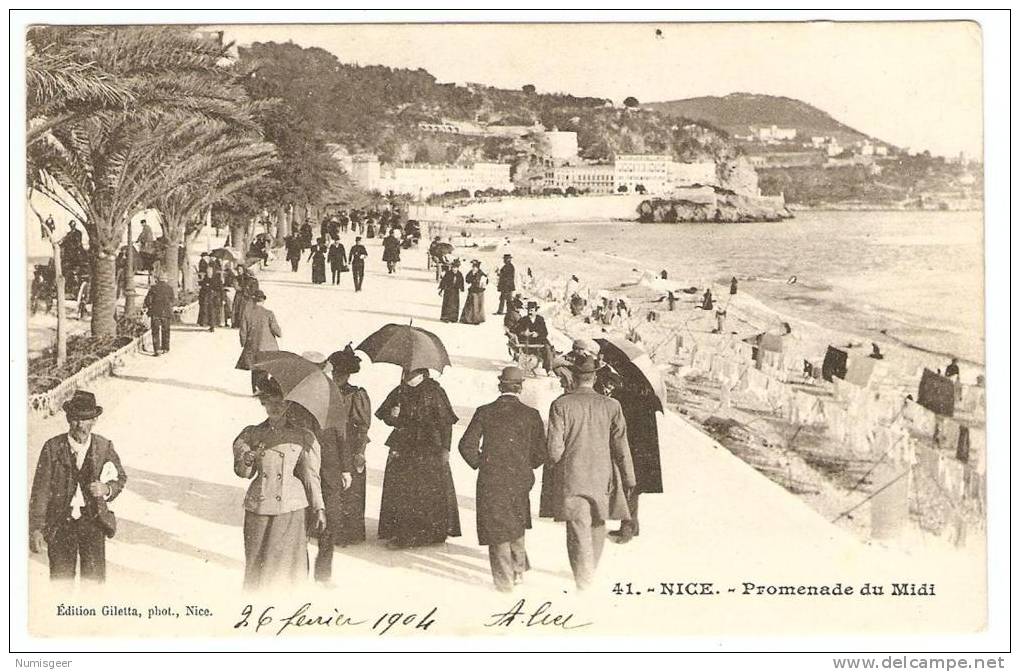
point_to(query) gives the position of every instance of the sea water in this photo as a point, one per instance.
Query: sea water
(914, 277)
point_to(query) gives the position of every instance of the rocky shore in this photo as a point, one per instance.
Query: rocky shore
(719, 205)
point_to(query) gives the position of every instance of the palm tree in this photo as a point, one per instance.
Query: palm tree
(106, 158)
(214, 165)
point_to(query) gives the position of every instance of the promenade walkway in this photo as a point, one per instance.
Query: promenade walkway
(179, 542)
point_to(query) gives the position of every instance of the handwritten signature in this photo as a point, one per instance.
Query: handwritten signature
(541, 616)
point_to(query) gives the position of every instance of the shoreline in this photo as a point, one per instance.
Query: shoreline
(805, 460)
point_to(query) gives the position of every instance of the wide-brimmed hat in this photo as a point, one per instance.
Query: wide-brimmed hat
(475, 262)
(345, 361)
(585, 364)
(532, 304)
(82, 406)
(512, 374)
(508, 256)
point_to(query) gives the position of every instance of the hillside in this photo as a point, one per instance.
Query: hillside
(386, 111)
(736, 113)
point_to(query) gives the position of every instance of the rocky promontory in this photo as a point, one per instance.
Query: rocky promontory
(712, 205)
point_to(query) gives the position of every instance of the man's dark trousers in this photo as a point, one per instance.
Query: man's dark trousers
(358, 271)
(160, 334)
(73, 539)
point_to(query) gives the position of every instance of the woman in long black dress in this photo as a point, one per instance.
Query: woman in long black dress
(419, 503)
(450, 287)
(318, 258)
(357, 409)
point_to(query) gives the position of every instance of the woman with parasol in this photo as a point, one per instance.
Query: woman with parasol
(282, 462)
(419, 503)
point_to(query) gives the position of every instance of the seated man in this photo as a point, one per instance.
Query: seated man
(533, 335)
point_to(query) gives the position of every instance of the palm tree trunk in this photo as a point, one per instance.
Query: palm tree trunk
(170, 265)
(281, 225)
(61, 308)
(104, 293)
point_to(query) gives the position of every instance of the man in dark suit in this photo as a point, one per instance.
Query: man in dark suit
(531, 331)
(258, 333)
(77, 475)
(159, 303)
(337, 257)
(589, 473)
(357, 259)
(505, 441)
(506, 286)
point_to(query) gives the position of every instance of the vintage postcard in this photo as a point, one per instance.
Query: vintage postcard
(512, 330)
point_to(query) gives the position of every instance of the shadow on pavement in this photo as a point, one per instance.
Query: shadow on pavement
(130, 532)
(215, 502)
(181, 383)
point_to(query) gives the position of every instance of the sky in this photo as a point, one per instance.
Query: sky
(915, 85)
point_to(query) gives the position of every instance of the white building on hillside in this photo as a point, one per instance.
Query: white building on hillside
(775, 134)
(425, 179)
(594, 178)
(652, 171)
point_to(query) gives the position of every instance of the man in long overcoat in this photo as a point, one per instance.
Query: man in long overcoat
(589, 469)
(506, 284)
(78, 474)
(159, 303)
(258, 332)
(391, 252)
(505, 442)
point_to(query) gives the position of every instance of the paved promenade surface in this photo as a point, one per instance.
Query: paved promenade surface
(179, 542)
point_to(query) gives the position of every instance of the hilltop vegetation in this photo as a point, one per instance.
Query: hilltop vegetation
(736, 113)
(378, 109)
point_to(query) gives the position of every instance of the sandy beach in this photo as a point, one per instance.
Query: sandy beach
(827, 474)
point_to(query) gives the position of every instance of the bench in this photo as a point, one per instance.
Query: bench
(527, 356)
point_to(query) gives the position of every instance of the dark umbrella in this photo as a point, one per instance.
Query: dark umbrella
(304, 383)
(632, 363)
(443, 249)
(406, 346)
(223, 254)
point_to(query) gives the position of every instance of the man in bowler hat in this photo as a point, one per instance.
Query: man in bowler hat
(589, 472)
(77, 475)
(505, 442)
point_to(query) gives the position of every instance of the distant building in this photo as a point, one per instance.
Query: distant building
(425, 179)
(773, 134)
(594, 178)
(652, 171)
(834, 149)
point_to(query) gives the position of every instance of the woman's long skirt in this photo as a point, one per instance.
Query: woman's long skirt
(474, 308)
(318, 271)
(275, 549)
(352, 511)
(451, 305)
(419, 502)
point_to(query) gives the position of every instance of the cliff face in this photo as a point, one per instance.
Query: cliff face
(724, 207)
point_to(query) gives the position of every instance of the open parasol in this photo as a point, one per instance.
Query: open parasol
(406, 346)
(304, 383)
(633, 364)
